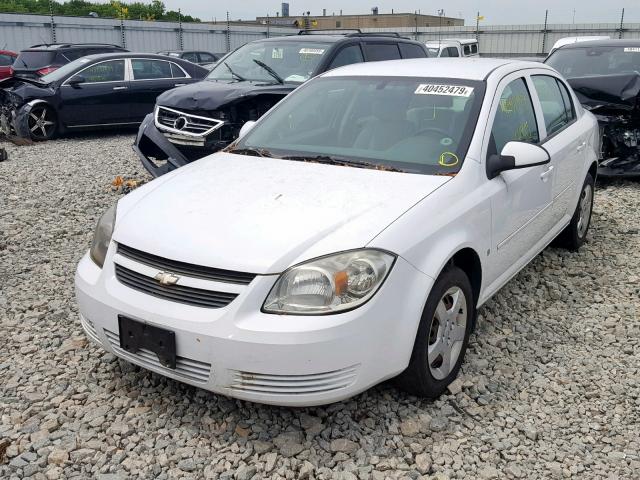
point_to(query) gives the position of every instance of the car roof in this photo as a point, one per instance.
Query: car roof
(474, 68)
(603, 43)
(58, 46)
(107, 56)
(335, 38)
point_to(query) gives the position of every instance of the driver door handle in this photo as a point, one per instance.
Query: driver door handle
(120, 88)
(545, 175)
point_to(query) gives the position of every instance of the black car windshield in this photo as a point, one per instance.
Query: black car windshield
(292, 61)
(591, 61)
(33, 59)
(418, 125)
(62, 72)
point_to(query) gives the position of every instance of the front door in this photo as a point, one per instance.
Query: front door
(521, 213)
(101, 99)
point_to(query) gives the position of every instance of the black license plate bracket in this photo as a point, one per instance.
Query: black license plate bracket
(135, 335)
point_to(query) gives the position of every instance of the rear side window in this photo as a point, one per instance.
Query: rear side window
(150, 69)
(112, 71)
(568, 102)
(6, 60)
(467, 50)
(177, 71)
(515, 119)
(453, 52)
(347, 56)
(206, 57)
(34, 60)
(553, 106)
(410, 50)
(474, 48)
(191, 56)
(75, 53)
(381, 51)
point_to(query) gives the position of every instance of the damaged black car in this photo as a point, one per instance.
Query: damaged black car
(191, 122)
(92, 92)
(605, 75)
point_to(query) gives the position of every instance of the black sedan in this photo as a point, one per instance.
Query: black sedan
(97, 91)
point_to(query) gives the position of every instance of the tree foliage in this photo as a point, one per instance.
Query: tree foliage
(154, 10)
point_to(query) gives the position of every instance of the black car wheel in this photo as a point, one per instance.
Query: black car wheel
(42, 122)
(442, 336)
(575, 234)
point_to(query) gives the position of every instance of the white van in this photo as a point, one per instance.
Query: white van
(453, 47)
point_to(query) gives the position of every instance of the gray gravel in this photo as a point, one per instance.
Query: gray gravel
(550, 388)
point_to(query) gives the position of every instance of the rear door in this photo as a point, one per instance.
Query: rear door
(149, 78)
(100, 100)
(563, 137)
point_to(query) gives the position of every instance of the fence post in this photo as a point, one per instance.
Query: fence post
(228, 38)
(544, 32)
(621, 23)
(180, 40)
(268, 22)
(53, 23)
(123, 39)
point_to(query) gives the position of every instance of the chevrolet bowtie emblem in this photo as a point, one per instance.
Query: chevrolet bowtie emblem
(166, 278)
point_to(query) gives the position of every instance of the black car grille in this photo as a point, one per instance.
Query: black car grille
(188, 269)
(176, 293)
(183, 123)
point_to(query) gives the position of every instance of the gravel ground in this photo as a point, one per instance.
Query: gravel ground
(550, 387)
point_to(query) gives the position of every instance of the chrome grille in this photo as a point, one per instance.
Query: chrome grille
(188, 269)
(196, 297)
(184, 124)
(293, 384)
(187, 368)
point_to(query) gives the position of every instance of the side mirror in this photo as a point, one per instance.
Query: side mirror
(76, 81)
(516, 155)
(245, 128)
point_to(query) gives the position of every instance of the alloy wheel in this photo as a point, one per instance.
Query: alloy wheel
(447, 333)
(584, 210)
(41, 123)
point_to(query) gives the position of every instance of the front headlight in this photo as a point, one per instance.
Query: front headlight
(330, 284)
(102, 236)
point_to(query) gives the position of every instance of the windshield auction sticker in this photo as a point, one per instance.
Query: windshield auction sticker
(632, 49)
(438, 89)
(311, 51)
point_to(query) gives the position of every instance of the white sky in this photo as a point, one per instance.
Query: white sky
(495, 11)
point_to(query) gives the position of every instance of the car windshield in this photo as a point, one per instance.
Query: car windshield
(593, 61)
(62, 72)
(417, 125)
(34, 60)
(292, 61)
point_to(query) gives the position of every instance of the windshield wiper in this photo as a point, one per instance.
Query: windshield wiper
(238, 77)
(256, 152)
(270, 71)
(342, 161)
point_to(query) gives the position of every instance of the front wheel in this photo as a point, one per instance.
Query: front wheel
(442, 337)
(42, 122)
(575, 234)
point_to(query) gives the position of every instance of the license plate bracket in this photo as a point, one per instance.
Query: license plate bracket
(135, 335)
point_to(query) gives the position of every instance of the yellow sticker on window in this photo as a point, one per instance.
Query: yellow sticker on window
(448, 159)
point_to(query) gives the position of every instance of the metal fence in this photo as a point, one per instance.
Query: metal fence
(520, 40)
(18, 31)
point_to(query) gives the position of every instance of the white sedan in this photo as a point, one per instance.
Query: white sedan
(349, 236)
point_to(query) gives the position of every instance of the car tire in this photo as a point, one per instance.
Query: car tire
(575, 234)
(42, 122)
(443, 335)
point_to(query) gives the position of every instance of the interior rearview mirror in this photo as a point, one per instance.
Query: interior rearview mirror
(77, 80)
(516, 155)
(246, 127)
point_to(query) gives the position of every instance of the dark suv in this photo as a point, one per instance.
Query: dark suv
(194, 56)
(39, 60)
(193, 121)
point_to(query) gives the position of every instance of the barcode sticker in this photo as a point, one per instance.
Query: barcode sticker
(438, 89)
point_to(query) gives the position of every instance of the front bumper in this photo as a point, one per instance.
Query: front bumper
(241, 352)
(159, 156)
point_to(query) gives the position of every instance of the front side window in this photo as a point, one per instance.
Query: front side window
(347, 56)
(419, 125)
(381, 51)
(144, 69)
(111, 71)
(552, 103)
(515, 118)
(292, 61)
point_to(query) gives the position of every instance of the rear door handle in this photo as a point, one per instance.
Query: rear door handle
(179, 84)
(581, 146)
(119, 88)
(545, 175)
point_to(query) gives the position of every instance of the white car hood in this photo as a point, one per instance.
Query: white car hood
(262, 215)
